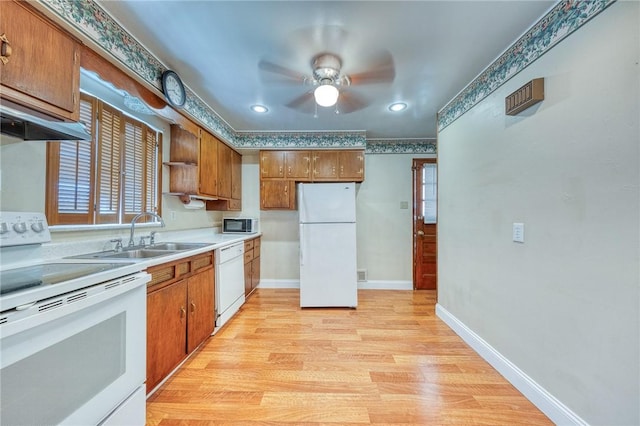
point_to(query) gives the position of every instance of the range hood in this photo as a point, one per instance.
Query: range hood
(28, 127)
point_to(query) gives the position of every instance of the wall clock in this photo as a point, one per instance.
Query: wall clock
(173, 89)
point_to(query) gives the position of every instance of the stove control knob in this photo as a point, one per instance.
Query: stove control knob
(37, 227)
(4, 228)
(20, 227)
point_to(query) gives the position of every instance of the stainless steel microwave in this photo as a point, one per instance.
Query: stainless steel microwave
(238, 225)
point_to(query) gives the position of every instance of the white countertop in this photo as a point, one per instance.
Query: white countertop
(16, 257)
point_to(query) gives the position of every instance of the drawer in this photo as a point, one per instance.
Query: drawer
(202, 261)
(248, 256)
(248, 245)
(161, 273)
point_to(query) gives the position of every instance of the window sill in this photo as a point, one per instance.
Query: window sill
(106, 227)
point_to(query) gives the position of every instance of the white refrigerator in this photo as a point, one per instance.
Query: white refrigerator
(328, 271)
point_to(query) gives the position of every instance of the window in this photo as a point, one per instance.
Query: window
(108, 179)
(429, 192)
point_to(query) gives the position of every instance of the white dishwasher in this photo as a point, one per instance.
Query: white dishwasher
(229, 281)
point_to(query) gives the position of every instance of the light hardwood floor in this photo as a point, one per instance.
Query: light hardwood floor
(390, 361)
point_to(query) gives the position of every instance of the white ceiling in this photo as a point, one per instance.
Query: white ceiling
(437, 48)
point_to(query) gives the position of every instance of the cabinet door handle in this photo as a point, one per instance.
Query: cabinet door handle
(5, 49)
(193, 307)
(183, 312)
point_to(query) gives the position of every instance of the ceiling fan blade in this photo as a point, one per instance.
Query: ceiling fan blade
(349, 102)
(268, 66)
(304, 103)
(381, 70)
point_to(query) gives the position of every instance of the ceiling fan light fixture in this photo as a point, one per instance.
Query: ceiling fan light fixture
(397, 106)
(326, 95)
(260, 109)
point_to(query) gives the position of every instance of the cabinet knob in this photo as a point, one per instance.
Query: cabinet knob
(183, 312)
(5, 49)
(193, 307)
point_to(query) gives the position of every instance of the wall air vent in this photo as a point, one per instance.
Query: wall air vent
(362, 275)
(526, 96)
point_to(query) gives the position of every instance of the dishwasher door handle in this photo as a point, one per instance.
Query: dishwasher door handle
(301, 244)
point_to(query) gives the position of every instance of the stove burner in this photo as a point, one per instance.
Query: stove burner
(13, 280)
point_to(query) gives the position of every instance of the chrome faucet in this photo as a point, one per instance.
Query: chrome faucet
(133, 224)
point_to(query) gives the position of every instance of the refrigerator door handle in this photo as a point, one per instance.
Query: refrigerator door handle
(301, 244)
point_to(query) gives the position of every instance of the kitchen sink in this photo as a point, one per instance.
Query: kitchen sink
(177, 246)
(141, 253)
(138, 254)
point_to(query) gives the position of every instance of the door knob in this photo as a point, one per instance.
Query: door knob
(420, 233)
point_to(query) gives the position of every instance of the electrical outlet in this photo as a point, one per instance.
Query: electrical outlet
(518, 232)
(172, 215)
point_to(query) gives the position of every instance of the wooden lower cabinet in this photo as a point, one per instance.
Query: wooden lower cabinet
(180, 305)
(251, 265)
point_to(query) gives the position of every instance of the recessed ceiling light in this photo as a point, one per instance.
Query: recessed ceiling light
(259, 109)
(398, 106)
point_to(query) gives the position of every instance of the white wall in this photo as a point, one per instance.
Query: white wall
(564, 306)
(383, 228)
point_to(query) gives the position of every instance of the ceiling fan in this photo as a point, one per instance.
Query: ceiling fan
(330, 84)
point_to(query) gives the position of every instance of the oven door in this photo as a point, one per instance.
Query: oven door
(73, 359)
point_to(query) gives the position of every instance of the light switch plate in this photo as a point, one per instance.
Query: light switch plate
(518, 232)
(404, 205)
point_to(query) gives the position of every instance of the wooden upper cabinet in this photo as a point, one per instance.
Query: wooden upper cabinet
(277, 195)
(325, 166)
(43, 68)
(236, 175)
(351, 165)
(183, 154)
(208, 165)
(298, 165)
(272, 164)
(281, 169)
(224, 171)
(184, 146)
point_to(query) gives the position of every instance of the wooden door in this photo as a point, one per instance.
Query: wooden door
(200, 321)
(272, 164)
(236, 175)
(325, 166)
(351, 166)
(166, 331)
(43, 69)
(208, 165)
(298, 165)
(277, 194)
(224, 170)
(424, 224)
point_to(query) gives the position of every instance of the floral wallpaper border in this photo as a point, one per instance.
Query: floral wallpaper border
(280, 140)
(88, 18)
(563, 19)
(401, 146)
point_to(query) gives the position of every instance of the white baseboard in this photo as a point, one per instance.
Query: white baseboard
(364, 285)
(278, 283)
(385, 285)
(540, 397)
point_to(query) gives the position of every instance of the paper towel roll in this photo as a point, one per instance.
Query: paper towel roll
(194, 204)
